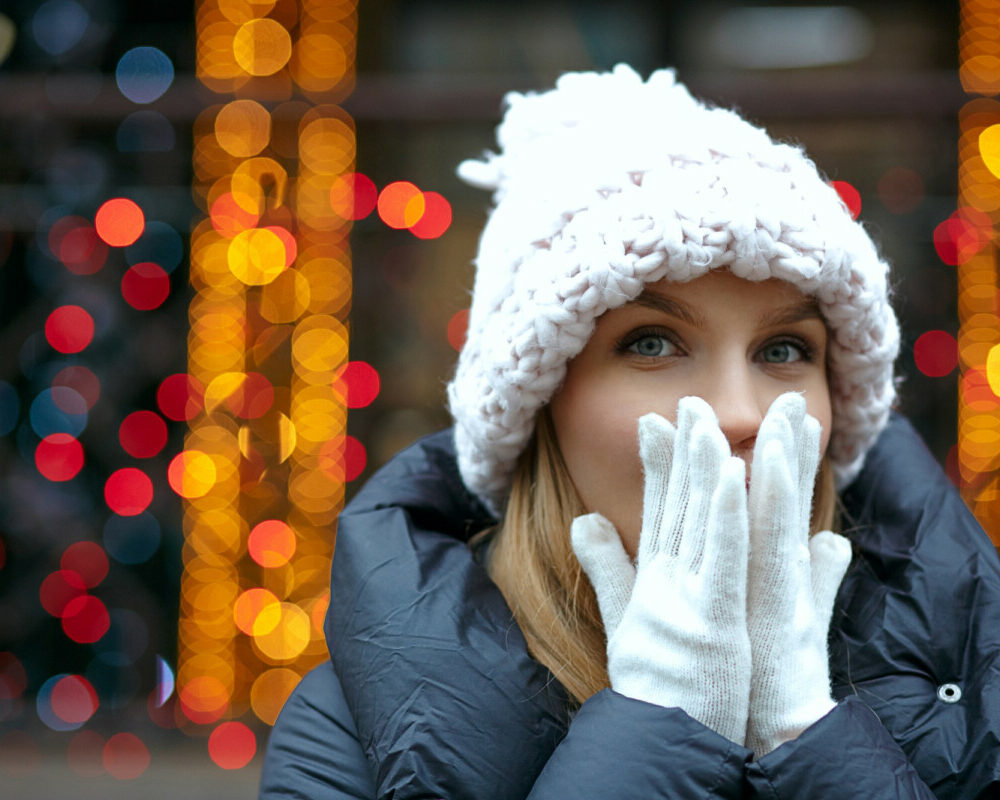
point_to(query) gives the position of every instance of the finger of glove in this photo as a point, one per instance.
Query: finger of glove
(728, 540)
(657, 451)
(599, 549)
(775, 536)
(808, 462)
(829, 557)
(791, 406)
(707, 451)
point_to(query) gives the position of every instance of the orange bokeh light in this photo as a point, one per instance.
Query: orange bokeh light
(119, 222)
(401, 204)
(271, 543)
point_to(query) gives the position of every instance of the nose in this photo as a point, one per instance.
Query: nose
(739, 406)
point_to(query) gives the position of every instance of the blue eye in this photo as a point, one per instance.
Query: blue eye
(652, 346)
(782, 353)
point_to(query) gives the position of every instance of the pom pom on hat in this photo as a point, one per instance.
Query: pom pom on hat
(607, 183)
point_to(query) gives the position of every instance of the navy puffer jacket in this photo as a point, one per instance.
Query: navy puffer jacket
(431, 692)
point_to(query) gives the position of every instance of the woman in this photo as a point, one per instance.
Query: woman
(616, 576)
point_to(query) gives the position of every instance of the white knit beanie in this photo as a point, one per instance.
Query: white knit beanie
(607, 183)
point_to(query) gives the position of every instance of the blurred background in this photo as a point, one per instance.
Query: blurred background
(181, 416)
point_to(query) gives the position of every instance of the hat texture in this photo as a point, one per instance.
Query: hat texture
(607, 183)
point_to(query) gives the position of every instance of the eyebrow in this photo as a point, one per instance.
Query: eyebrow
(806, 308)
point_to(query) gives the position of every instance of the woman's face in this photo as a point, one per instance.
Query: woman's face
(734, 343)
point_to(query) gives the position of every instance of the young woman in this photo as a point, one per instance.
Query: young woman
(617, 575)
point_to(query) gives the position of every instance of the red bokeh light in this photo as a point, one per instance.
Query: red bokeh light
(343, 458)
(291, 246)
(358, 383)
(128, 491)
(229, 217)
(119, 222)
(81, 380)
(73, 699)
(59, 457)
(353, 196)
(436, 219)
(84, 753)
(69, 329)
(935, 353)
(86, 559)
(85, 619)
(76, 244)
(58, 589)
(965, 233)
(850, 196)
(125, 756)
(232, 745)
(458, 327)
(143, 434)
(13, 678)
(180, 397)
(145, 286)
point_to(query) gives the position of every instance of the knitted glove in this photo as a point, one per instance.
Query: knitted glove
(676, 623)
(792, 580)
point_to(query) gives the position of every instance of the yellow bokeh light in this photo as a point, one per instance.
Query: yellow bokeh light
(192, 473)
(286, 298)
(319, 344)
(248, 608)
(989, 148)
(262, 46)
(327, 146)
(282, 634)
(256, 179)
(993, 368)
(270, 691)
(256, 256)
(243, 128)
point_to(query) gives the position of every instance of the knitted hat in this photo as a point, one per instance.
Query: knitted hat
(608, 183)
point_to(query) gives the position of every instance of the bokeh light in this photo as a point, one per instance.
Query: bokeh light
(59, 457)
(58, 589)
(145, 286)
(59, 25)
(989, 148)
(243, 128)
(81, 380)
(964, 234)
(436, 217)
(935, 353)
(230, 218)
(249, 605)
(132, 540)
(458, 326)
(73, 699)
(203, 699)
(84, 753)
(262, 46)
(353, 195)
(270, 692)
(143, 434)
(343, 458)
(85, 619)
(86, 559)
(125, 756)
(58, 410)
(401, 204)
(358, 383)
(232, 745)
(128, 491)
(144, 73)
(191, 473)
(271, 543)
(119, 222)
(159, 243)
(180, 397)
(850, 196)
(74, 241)
(69, 329)
(282, 631)
(257, 256)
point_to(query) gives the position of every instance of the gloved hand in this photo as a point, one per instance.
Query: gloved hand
(792, 580)
(676, 622)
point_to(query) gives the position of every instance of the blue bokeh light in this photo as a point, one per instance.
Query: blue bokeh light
(58, 410)
(43, 703)
(143, 74)
(159, 243)
(59, 25)
(145, 132)
(132, 540)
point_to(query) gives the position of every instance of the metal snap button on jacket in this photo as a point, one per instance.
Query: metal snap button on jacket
(949, 692)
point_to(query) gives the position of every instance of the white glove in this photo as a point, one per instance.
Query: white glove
(792, 580)
(680, 639)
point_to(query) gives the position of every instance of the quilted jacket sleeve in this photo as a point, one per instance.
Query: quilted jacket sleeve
(313, 752)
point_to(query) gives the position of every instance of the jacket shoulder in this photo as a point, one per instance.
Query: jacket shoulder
(313, 751)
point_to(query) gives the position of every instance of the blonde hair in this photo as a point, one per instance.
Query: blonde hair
(532, 562)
